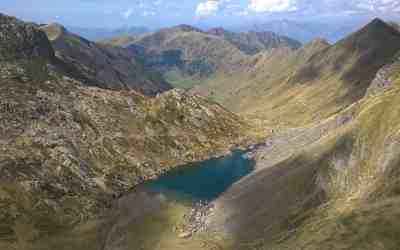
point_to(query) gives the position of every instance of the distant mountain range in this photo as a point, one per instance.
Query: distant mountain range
(186, 55)
(253, 42)
(307, 31)
(95, 34)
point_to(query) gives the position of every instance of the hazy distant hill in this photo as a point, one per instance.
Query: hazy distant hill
(95, 34)
(306, 31)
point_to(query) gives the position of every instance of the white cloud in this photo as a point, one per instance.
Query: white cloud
(208, 8)
(127, 13)
(272, 5)
(378, 5)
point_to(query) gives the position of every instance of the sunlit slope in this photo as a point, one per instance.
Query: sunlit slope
(187, 56)
(360, 210)
(338, 189)
(309, 84)
(253, 42)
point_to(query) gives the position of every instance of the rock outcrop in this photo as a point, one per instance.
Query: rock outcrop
(66, 149)
(104, 66)
(19, 40)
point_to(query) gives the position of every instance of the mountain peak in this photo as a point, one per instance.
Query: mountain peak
(377, 21)
(54, 30)
(186, 28)
(377, 24)
(377, 33)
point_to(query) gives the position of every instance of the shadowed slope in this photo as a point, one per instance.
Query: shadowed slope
(104, 66)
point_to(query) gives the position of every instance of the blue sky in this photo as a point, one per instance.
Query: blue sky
(156, 13)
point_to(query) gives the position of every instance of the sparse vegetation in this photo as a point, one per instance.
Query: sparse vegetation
(327, 176)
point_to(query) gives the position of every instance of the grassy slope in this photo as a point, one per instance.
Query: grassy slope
(341, 192)
(254, 42)
(218, 53)
(361, 209)
(203, 54)
(292, 88)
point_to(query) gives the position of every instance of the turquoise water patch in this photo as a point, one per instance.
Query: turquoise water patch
(203, 180)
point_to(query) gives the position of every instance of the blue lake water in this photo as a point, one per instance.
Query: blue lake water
(203, 180)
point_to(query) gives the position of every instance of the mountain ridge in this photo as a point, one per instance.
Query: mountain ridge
(345, 69)
(104, 66)
(187, 55)
(67, 150)
(253, 42)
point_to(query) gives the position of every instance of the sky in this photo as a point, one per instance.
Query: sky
(161, 13)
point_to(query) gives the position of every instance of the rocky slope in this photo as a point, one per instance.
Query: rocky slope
(67, 149)
(187, 56)
(104, 66)
(188, 50)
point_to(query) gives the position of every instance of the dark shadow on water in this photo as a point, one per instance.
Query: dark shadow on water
(203, 180)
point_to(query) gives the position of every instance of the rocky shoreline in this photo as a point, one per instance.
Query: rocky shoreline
(197, 220)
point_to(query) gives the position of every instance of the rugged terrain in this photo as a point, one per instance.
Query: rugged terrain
(330, 185)
(104, 66)
(326, 178)
(67, 149)
(187, 55)
(253, 42)
(289, 88)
